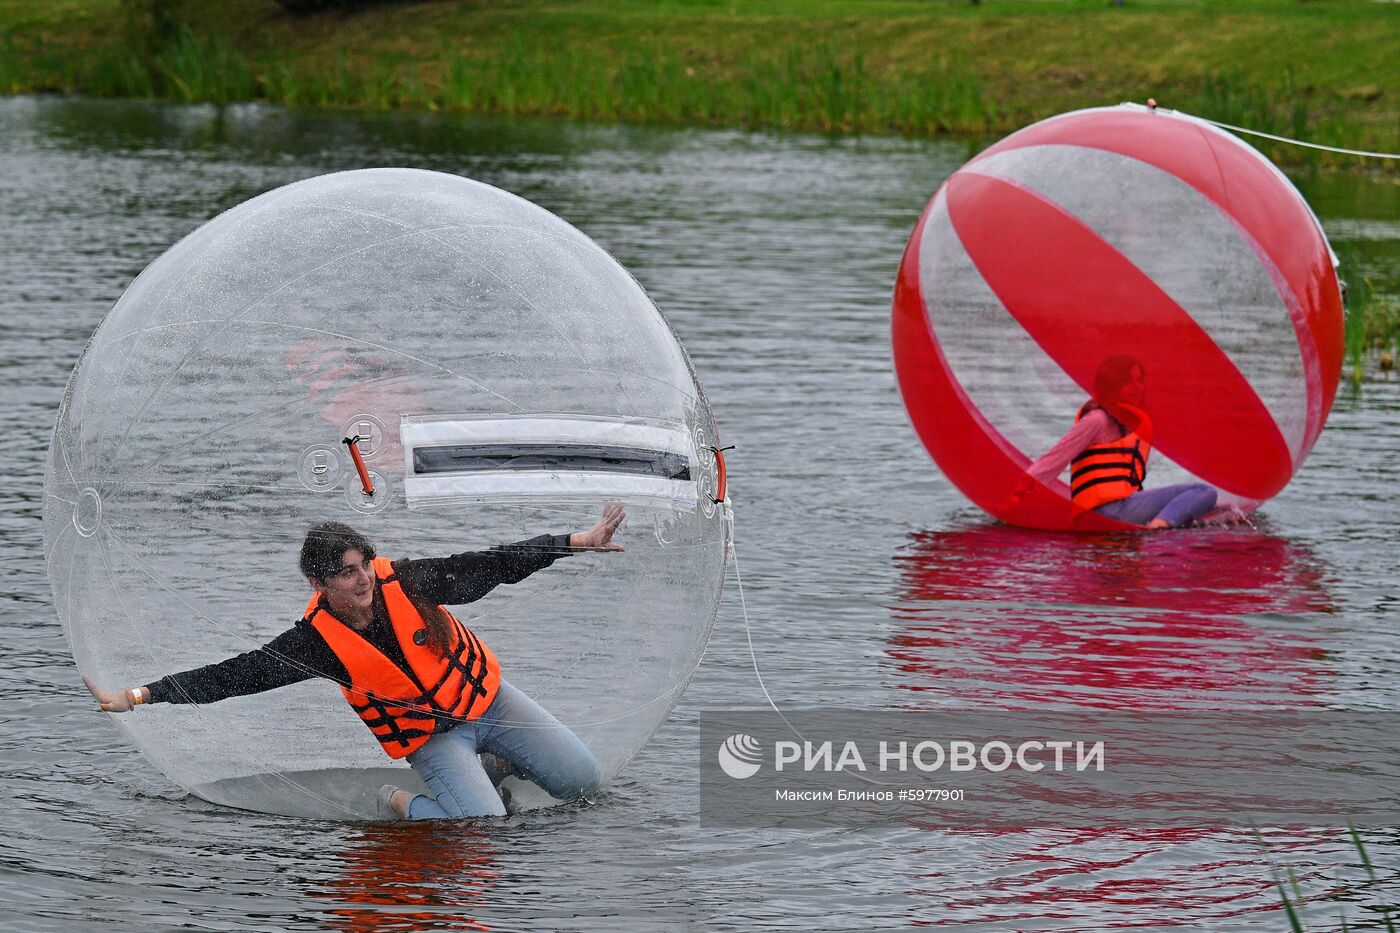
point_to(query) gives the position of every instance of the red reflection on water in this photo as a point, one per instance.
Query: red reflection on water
(1099, 879)
(1176, 619)
(432, 874)
(1002, 617)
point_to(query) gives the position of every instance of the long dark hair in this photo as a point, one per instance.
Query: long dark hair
(322, 553)
(1112, 375)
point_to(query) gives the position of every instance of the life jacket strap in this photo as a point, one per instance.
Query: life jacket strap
(468, 644)
(383, 720)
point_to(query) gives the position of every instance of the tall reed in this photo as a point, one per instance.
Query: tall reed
(1293, 902)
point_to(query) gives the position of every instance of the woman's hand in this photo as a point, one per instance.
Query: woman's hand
(1020, 491)
(115, 701)
(599, 537)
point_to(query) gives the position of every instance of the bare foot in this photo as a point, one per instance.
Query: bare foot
(399, 803)
(1158, 523)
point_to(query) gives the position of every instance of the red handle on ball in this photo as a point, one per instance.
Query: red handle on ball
(722, 480)
(354, 444)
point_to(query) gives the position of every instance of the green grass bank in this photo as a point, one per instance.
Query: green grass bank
(1326, 70)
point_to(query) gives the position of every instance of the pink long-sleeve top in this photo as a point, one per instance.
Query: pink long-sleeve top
(1096, 427)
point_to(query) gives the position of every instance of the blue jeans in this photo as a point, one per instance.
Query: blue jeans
(515, 729)
(1177, 505)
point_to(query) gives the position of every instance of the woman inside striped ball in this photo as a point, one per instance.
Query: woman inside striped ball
(1107, 450)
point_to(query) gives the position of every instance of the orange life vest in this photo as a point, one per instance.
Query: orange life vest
(406, 706)
(1104, 473)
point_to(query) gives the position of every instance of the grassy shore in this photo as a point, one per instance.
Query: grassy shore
(1325, 70)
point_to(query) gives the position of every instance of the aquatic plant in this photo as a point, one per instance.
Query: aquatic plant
(1291, 895)
(1372, 321)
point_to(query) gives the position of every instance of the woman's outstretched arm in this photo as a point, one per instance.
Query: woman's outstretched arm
(466, 577)
(295, 655)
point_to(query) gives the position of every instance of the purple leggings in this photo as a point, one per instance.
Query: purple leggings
(1178, 505)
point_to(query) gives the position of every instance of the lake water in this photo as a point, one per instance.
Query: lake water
(869, 582)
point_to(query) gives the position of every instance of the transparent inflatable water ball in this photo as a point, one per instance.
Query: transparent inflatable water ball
(500, 376)
(1121, 232)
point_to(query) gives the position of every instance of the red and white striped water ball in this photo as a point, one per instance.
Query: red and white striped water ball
(1120, 231)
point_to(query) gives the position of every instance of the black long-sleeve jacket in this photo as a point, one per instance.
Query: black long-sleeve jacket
(300, 653)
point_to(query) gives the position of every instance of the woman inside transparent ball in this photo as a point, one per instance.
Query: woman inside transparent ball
(426, 686)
